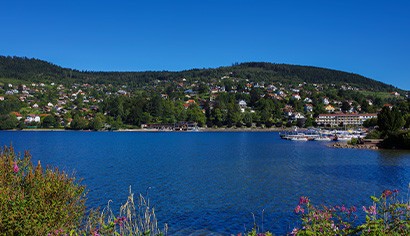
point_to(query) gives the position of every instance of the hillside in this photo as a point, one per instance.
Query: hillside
(34, 70)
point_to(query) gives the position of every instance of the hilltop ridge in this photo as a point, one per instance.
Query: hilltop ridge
(30, 69)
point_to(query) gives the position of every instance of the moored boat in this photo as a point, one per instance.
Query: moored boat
(323, 138)
(299, 138)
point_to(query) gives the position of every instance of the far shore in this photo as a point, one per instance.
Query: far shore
(154, 130)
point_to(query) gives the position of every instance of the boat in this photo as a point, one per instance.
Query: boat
(299, 138)
(343, 138)
(322, 138)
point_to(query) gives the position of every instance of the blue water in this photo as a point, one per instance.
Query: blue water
(203, 183)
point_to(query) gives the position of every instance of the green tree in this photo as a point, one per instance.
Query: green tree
(49, 121)
(390, 120)
(78, 123)
(8, 122)
(195, 114)
(345, 106)
(370, 122)
(248, 118)
(98, 122)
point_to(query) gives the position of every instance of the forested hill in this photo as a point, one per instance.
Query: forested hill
(28, 70)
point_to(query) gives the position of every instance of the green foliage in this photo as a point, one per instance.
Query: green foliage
(407, 120)
(34, 201)
(49, 122)
(78, 123)
(390, 120)
(370, 123)
(195, 114)
(10, 104)
(36, 70)
(374, 134)
(400, 140)
(8, 122)
(353, 141)
(254, 232)
(386, 216)
(98, 122)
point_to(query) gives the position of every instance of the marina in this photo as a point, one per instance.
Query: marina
(322, 135)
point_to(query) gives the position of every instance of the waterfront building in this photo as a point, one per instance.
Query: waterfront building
(353, 119)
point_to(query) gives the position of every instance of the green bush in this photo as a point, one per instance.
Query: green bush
(353, 141)
(400, 140)
(374, 134)
(34, 201)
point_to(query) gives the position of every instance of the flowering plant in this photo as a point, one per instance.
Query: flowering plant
(386, 216)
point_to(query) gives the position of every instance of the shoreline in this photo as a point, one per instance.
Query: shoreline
(345, 145)
(162, 131)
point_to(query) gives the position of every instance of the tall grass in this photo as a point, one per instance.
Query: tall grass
(135, 217)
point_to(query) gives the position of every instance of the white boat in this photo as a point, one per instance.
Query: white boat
(299, 139)
(343, 138)
(322, 139)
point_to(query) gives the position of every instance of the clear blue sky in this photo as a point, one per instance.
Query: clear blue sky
(371, 38)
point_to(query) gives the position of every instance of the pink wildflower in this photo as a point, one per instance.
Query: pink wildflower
(120, 220)
(15, 167)
(299, 209)
(372, 210)
(386, 193)
(303, 200)
(294, 231)
(353, 209)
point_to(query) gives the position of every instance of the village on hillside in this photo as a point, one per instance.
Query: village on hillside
(164, 104)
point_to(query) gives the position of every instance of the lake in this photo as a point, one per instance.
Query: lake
(212, 182)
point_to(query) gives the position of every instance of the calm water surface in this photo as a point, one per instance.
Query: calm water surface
(211, 183)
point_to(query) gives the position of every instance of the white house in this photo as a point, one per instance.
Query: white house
(307, 100)
(242, 105)
(308, 108)
(296, 96)
(296, 116)
(32, 118)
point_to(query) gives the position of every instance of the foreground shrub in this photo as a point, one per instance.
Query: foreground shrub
(324, 220)
(386, 216)
(34, 201)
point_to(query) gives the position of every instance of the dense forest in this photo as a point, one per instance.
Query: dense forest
(28, 70)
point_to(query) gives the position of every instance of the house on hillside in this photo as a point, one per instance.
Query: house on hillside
(329, 108)
(296, 96)
(32, 118)
(308, 108)
(242, 104)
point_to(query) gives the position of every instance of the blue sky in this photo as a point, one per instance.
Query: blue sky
(371, 38)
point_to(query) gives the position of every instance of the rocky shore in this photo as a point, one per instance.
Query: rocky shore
(356, 146)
